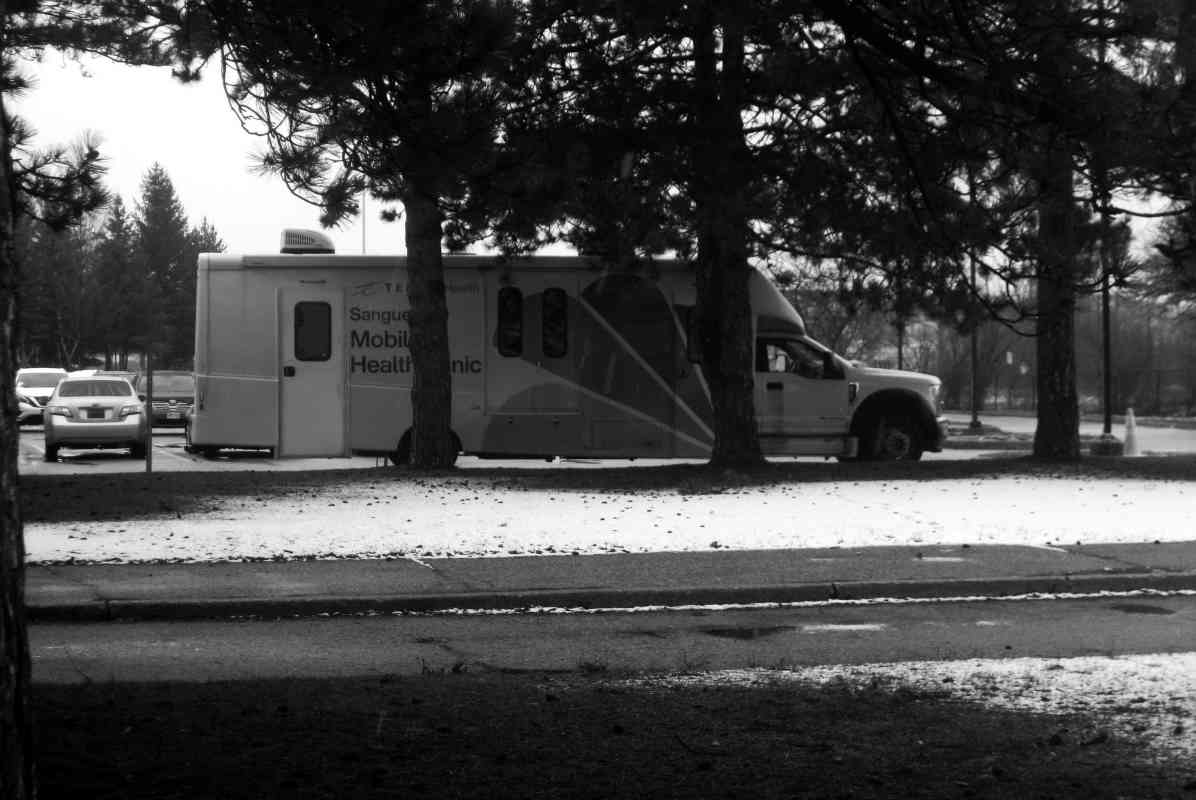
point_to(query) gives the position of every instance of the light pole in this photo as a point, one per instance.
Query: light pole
(975, 423)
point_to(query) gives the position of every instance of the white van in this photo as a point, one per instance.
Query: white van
(306, 354)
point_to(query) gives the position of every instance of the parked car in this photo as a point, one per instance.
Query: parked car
(128, 375)
(174, 395)
(88, 411)
(38, 382)
(29, 410)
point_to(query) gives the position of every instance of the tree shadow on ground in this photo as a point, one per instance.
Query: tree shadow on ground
(575, 735)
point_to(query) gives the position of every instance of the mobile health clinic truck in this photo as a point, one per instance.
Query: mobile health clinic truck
(306, 353)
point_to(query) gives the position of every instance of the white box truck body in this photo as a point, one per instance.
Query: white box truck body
(307, 355)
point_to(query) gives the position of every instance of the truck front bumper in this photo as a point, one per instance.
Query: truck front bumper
(935, 444)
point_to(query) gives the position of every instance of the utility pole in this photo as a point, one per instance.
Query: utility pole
(149, 414)
(974, 425)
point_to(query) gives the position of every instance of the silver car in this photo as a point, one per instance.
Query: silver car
(95, 412)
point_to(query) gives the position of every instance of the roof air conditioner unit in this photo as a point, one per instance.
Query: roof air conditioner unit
(295, 240)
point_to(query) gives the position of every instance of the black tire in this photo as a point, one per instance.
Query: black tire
(210, 452)
(897, 438)
(188, 447)
(51, 453)
(137, 450)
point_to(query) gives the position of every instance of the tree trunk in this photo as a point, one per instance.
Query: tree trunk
(720, 194)
(1058, 433)
(432, 442)
(16, 726)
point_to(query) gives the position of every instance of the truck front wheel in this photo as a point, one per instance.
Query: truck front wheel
(897, 439)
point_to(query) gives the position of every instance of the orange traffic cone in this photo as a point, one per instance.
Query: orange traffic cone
(1131, 435)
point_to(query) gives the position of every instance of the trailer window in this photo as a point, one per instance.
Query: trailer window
(510, 321)
(313, 331)
(554, 329)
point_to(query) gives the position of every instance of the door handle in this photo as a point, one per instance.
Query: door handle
(288, 372)
(774, 386)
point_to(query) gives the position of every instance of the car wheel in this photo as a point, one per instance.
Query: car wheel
(897, 439)
(51, 453)
(188, 447)
(137, 450)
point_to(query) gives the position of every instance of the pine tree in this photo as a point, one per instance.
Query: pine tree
(161, 275)
(367, 97)
(201, 239)
(56, 186)
(115, 285)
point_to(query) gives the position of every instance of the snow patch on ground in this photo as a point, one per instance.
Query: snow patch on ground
(1148, 699)
(455, 519)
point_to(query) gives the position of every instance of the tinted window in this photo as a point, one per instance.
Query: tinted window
(555, 323)
(173, 384)
(313, 331)
(40, 380)
(510, 321)
(98, 388)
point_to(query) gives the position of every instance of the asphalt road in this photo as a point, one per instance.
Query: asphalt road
(1153, 438)
(680, 640)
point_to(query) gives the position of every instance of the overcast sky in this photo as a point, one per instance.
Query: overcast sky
(143, 115)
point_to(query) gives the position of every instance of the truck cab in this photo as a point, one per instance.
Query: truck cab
(808, 398)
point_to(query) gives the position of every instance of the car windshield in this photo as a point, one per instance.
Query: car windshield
(173, 384)
(40, 380)
(99, 388)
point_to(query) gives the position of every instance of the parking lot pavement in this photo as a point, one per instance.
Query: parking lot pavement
(169, 456)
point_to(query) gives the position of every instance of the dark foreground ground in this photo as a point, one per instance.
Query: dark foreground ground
(583, 735)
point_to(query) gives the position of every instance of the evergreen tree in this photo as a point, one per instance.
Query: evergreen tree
(201, 239)
(115, 286)
(56, 186)
(1052, 97)
(161, 279)
(370, 97)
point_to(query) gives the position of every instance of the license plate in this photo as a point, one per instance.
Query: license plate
(93, 413)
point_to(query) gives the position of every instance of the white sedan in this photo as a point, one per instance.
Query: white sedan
(93, 412)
